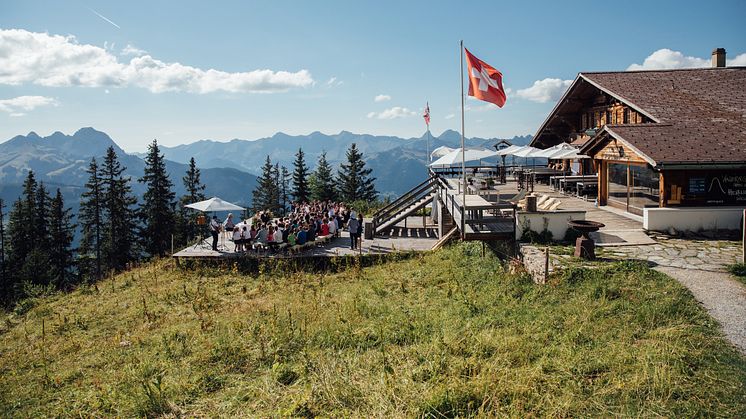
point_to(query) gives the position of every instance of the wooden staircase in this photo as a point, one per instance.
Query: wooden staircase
(415, 199)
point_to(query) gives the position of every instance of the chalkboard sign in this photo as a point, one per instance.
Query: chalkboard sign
(697, 185)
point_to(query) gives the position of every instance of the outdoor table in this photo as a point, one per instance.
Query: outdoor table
(586, 184)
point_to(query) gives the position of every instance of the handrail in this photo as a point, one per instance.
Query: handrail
(402, 202)
(406, 194)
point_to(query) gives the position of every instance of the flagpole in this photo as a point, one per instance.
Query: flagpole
(463, 150)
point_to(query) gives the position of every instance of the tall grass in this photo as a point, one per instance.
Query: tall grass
(444, 334)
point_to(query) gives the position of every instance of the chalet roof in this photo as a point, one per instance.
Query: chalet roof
(699, 115)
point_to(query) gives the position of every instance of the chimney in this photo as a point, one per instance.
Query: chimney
(718, 57)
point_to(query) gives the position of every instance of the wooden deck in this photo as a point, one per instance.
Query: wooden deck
(413, 237)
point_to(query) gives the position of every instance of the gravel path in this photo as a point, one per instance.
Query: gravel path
(723, 297)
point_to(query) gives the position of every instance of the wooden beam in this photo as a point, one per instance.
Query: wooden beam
(662, 190)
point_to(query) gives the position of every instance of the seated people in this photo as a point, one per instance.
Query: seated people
(324, 227)
(302, 236)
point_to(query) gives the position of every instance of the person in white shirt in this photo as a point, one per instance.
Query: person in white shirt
(237, 239)
(333, 226)
(214, 230)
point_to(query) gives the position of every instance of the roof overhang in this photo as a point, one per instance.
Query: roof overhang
(607, 133)
(567, 97)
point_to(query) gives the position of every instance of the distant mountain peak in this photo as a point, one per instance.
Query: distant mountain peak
(32, 136)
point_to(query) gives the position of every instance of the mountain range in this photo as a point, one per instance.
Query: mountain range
(60, 161)
(397, 163)
(229, 169)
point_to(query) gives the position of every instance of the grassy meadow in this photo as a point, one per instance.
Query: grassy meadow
(444, 334)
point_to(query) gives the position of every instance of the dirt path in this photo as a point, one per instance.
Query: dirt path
(723, 297)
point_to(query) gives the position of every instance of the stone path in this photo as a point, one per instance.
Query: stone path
(703, 255)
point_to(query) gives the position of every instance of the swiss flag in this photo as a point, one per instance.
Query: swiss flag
(485, 83)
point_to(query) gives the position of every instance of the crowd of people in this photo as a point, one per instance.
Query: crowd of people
(303, 224)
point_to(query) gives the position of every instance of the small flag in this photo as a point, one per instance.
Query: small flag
(426, 115)
(485, 83)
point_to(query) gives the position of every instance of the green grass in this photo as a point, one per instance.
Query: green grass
(739, 271)
(443, 334)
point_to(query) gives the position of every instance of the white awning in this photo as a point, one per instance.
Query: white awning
(214, 204)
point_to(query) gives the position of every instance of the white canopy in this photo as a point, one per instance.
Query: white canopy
(441, 151)
(548, 153)
(214, 204)
(570, 155)
(509, 150)
(525, 151)
(471, 154)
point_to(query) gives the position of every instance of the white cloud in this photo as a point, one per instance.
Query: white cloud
(18, 106)
(392, 113)
(381, 98)
(54, 60)
(132, 50)
(665, 59)
(332, 82)
(740, 60)
(545, 90)
(450, 116)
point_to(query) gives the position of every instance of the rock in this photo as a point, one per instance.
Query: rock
(672, 231)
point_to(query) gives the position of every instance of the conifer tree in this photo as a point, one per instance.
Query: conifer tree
(285, 179)
(157, 212)
(21, 229)
(186, 228)
(118, 240)
(3, 276)
(300, 177)
(41, 217)
(354, 178)
(265, 193)
(324, 188)
(61, 234)
(276, 202)
(91, 217)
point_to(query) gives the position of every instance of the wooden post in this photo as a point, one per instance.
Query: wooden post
(661, 190)
(546, 263)
(743, 243)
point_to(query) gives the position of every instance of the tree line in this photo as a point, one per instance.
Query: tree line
(36, 245)
(37, 254)
(277, 186)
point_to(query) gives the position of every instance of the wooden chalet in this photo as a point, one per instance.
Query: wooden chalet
(658, 138)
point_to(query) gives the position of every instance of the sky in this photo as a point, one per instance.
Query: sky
(190, 70)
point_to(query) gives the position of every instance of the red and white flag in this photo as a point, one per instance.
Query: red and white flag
(426, 115)
(485, 83)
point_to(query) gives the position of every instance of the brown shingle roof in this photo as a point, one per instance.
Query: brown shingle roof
(700, 113)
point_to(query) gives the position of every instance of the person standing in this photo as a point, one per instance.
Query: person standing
(215, 230)
(353, 226)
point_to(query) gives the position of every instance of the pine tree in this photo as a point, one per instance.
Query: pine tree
(91, 217)
(61, 234)
(324, 188)
(157, 212)
(300, 177)
(265, 193)
(118, 240)
(27, 263)
(186, 228)
(41, 217)
(3, 276)
(37, 264)
(276, 203)
(354, 179)
(284, 189)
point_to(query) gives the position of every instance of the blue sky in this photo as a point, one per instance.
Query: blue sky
(142, 70)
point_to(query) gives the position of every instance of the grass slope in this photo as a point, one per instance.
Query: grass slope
(444, 334)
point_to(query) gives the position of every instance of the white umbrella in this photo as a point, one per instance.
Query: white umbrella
(525, 151)
(570, 155)
(454, 157)
(441, 151)
(214, 204)
(509, 150)
(549, 152)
